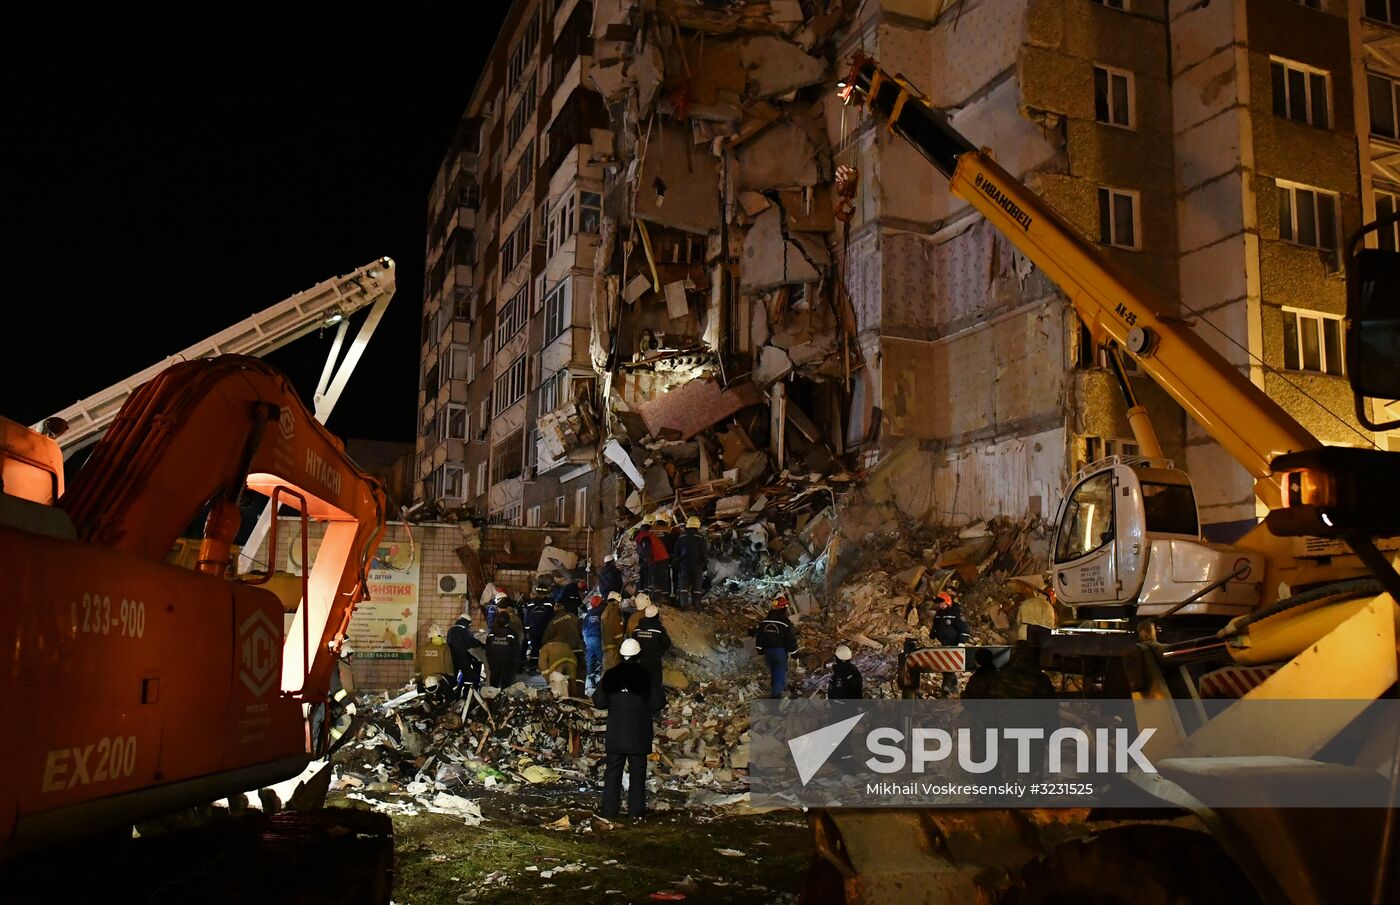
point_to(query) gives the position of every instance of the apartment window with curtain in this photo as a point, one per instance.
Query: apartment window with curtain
(1307, 216)
(1113, 97)
(1313, 341)
(1381, 94)
(1301, 93)
(1118, 218)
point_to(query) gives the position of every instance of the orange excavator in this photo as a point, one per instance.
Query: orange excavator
(133, 688)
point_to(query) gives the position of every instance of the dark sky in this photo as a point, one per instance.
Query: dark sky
(152, 201)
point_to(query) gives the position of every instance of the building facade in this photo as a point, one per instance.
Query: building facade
(513, 219)
(697, 275)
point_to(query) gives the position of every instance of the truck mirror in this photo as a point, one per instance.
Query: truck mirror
(1373, 324)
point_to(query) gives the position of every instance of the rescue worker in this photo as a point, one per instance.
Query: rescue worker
(906, 678)
(460, 642)
(340, 703)
(690, 563)
(557, 656)
(951, 630)
(1020, 679)
(652, 636)
(614, 631)
(538, 613)
(592, 629)
(845, 681)
(669, 537)
(644, 554)
(568, 597)
(502, 647)
(660, 538)
(625, 693)
(565, 628)
(609, 576)
(776, 638)
(632, 610)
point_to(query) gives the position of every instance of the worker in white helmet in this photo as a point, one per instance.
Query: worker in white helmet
(655, 642)
(845, 678)
(625, 693)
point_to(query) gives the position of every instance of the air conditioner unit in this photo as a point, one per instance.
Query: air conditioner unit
(453, 583)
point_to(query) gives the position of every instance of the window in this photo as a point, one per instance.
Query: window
(552, 391)
(522, 52)
(430, 379)
(580, 507)
(486, 351)
(481, 477)
(1300, 92)
(1113, 96)
(520, 180)
(513, 317)
(1381, 93)
(483, 419)
(447, 482)
(532, 517)
(1384, 11)
(539, 295)
(506, 459)
(1388, 204)
(1113, 4)
(1313, 341)
(1118, 218)
(510, 386)
(1170, 508)
(590, 212)
(455, 422)
(520, 118)
(1087, 524)
(511, 514)
(516, 246)
(562, 221)
(532, 446)
(560, 516)
(1307, 216)
(471, 364)
(455, 363)
(556, 311)
(1096, 448)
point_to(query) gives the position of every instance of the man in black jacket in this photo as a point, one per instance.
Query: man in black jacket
(691, 550)
(502, 646)
(460, 641)
(951, 629)
(654, 641)
(776, 639)
(845, 678)
(625, 693)
(538, 612)
(609, 577)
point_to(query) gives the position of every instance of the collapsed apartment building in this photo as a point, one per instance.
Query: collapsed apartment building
(743, 299)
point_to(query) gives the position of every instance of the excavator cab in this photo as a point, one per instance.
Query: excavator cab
(1128, 545)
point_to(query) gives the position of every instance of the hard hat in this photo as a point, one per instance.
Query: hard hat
(642, 600)
(843, 652)
(780, 603)
(652, 612)
(648, 519)
(693, 522)
(614, 595)
(501, 593)
(662, 523)
(346, 650)
(945, 597)
(595, 598)
(431, 682)
(630, 648)
(609, 558)
(542, 584)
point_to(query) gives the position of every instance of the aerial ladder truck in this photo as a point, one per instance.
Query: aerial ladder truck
(1302, 607)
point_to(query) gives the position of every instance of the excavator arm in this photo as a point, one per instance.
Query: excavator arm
(1237, 414)
(195, 436)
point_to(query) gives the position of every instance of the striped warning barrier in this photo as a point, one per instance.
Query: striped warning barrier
(1233, 681)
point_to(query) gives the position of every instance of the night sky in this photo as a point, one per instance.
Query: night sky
(152, 204)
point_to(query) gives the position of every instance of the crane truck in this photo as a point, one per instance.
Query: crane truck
(133, 688)
(1302, 607)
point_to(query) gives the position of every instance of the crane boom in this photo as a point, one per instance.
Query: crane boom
(1239, 415)
(327, 303)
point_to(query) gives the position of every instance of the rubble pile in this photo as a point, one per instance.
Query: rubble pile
(721, 329)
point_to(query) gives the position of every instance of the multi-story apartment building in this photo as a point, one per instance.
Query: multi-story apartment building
(513, 216)
(1210, 149)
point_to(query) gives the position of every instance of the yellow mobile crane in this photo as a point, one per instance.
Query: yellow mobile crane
(1271, 617)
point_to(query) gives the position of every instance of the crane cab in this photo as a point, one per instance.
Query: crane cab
(1128, 545)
